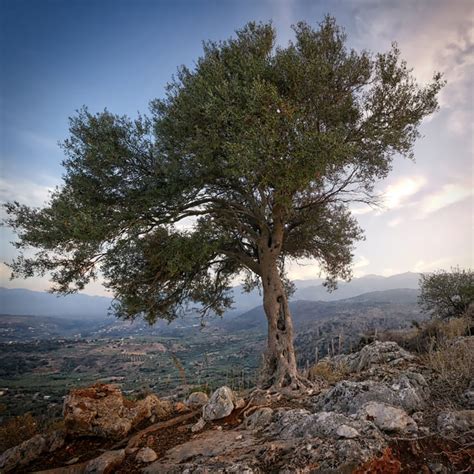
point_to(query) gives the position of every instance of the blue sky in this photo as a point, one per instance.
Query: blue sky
(57, 56)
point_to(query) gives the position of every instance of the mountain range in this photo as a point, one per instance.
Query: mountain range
(86, 307)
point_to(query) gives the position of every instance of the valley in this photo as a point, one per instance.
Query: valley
(43, 358)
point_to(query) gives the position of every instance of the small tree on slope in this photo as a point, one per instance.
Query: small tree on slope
(447, 294)
(264, 147)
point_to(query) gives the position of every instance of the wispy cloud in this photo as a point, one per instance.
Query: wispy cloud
(397, 194)
(25, 191)
(424, 266)
(359, 211)
(447, 195)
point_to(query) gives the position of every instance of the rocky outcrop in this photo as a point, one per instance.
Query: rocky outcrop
(409, 391)
(245, 452)
(30, 450)
(348, 427)
(101, 410)
(299, 423)
(387, 418)
(259, 419)
(220, 405)
(377, 353)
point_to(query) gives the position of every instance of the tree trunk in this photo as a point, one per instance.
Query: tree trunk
(280, 362)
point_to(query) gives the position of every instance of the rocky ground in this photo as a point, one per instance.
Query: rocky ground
(375, 413)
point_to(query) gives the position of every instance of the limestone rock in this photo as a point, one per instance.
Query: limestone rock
(376, 353)
(348, 432)
(105, 463)
(243, 452)
(146, 455)
(197, 400)
(409, 391)
(101, 410)
(388, 418)
(239, 403)
(299, 423)
(220, 405)
(452, 422)
(30, 450)
(199, 426)
(259, 419)
(211, 451)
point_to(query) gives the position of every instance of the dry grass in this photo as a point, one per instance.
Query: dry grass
(432, 335)
(330, 372)
(453, 362)
(16, 430)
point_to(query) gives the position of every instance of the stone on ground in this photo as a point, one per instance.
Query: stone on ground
(146, 455)
(388, 418)
(220, 405)
(197, 400)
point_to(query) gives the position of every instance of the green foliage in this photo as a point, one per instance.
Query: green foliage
(447, 294)
(264, 147)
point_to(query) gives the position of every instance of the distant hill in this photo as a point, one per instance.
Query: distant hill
(325, 327)
(26, 328)
(357, 286)
(19, 301)
(82, 306)
(390, 309)
(313, 290)
(403, 302)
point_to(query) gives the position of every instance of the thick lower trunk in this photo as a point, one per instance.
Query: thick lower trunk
(280, 362)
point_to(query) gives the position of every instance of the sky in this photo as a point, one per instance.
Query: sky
(57, 56)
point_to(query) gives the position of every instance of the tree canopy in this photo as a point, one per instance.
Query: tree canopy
(261, 148)
(447, 294)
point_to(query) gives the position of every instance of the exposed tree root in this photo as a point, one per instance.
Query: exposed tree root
(134, 440)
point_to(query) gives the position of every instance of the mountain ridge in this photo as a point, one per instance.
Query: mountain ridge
(19, 301)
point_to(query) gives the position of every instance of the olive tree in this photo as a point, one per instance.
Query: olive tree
(259, 149)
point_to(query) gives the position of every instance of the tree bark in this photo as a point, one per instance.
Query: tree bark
(279, 369)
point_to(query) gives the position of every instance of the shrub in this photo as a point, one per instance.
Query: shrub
(331, 372)
(447, 294)
(430, 335)
(453, 363)
(16, 430)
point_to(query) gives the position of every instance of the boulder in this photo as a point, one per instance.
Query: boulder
(220, 405)
(101, 410)
(29, 450)
(197, 400)
(409, 391)
(146, 455)
(299, 423)
(376, 353)
(388, 418)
